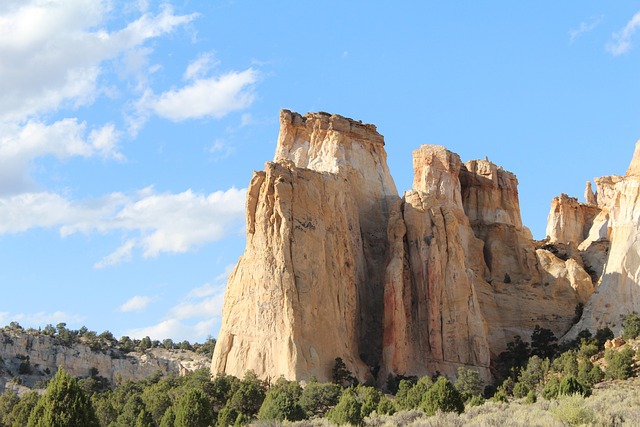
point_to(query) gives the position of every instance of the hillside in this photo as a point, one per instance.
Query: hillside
(30, 358)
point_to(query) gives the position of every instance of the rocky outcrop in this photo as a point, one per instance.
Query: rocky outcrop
(433, 321)
(309, 287)
(490, 199)
(338, 265)
(613, 245)
(570, 221)
(43, 355)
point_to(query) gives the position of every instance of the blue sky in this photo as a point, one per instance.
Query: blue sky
(129, 130)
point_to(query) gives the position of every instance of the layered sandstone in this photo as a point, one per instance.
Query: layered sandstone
(570, 221)
(337, 265)
(616, 231)
(433, 321)
(309, 286)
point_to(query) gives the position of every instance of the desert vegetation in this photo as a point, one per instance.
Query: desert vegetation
(539, 382)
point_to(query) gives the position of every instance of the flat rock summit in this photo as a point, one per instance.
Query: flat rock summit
(338, 264)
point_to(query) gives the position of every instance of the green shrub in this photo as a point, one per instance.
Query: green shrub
(534, 373)
(193, 410)
(168, 419)
(500, 396)
(588, 373)
(409, 395)
(468, 383)
(347, 411)
(631, 326)
(520, 390)
(602, 336)
(619, 363)
(570, 386)
(543, 342)
(341, 375)
(369, 399)
(573, 410)
(442, 396)
(317, 398)
(386, 406)
(281, 402)
(63, 404)
(531, 397)
(249, 396)
(566, 364)
(551, 388)
(475, 401)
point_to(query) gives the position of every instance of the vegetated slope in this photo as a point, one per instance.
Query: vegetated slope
(29, 358)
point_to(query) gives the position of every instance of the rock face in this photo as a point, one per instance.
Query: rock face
(309, 287)
(613, 249)
(338, 265)
(570, 221)
(433, 321)
(45, 355)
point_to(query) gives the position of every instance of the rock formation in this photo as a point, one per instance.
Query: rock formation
(570, 221)
(433, 320)
(309, 287)
(45, 355)
(338, 265)
(612, 250)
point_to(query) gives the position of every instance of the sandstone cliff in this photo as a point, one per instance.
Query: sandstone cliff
(433, 321)
(611, 248)
(338, 265)
(45, 355)
(309, 286)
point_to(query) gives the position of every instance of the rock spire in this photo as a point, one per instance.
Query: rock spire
(337, 264)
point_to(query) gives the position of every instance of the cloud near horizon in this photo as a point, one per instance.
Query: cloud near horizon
(194, 317)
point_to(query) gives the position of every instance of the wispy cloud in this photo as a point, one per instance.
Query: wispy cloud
(212, 97)
(56, 50)
(164, 222)
(621, 40)
(200, 67)
(194, 317)
(22, 143)
(584, 27)
(136, 303)
(40, 318)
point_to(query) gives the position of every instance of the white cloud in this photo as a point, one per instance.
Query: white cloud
(136, 303)
(621, 41)
(204, 97)
(583, 28)
(42, 318)
(220, 149)
(20, 144)
(209, 307)
(200, 67)
(164, 222)
(175, 329)
(193, 318)
(122, 254)
(52, 51)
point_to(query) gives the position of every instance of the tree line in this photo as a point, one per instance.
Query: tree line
(526, 370)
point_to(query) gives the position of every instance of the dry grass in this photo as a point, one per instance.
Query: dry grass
(614, 403)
